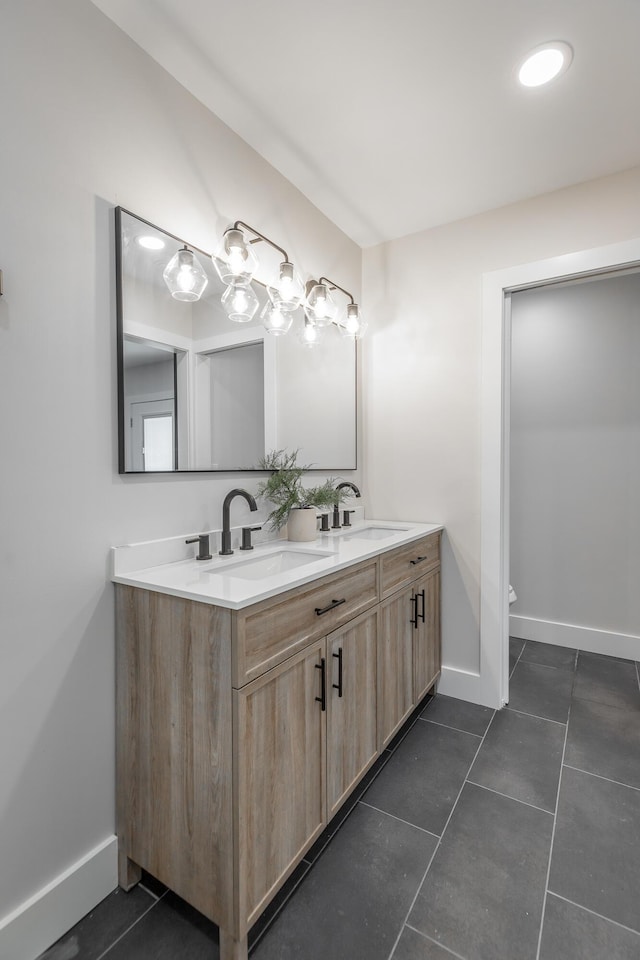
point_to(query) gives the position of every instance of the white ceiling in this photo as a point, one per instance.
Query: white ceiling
(393, 116)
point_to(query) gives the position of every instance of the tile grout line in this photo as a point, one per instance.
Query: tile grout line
(399, 819)
(150, 892)
(508, 797)
(437, 847)
(593, 913)
(605, 703)
(425, 936)
(129, 929)
(553, 836)
(448, 726)
(590, 773)
(535, 716)
(547, 666)
(518, 657)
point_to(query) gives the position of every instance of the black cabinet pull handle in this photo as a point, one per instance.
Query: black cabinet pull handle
(417, 560)
(421, 615)
(322, 699)
(414, 617)
(338, 686)
(331, 606)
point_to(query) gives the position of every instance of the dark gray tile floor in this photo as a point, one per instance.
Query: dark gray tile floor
(478, 835)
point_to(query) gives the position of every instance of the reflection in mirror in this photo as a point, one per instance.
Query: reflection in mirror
(198, 391)
(150, 406)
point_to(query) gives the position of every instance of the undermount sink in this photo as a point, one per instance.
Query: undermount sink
(280, 561)
(373, 533)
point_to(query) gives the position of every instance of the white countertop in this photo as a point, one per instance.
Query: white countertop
(237, 581)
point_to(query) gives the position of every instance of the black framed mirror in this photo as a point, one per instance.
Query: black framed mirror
(198, 392)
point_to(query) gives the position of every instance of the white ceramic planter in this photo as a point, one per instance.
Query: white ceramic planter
(302, 524)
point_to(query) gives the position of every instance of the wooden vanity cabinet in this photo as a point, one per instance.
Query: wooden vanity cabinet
(352, 706)
(174, 748)
(409, 639)
(268, 632)
(308, 732)
(280, 775)
(395, 659)
(241, 733)
(405, 564)
(426, 634)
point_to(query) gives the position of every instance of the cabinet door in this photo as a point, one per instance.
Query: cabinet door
(395, 662)
(426, 639)
(352, 721)
(280, 768)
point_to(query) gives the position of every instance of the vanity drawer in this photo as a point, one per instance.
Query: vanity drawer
(267, 633)
(402, 566)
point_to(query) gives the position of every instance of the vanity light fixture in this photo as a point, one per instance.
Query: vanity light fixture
(544, 63)
(236, 265)
(240, 302)
(185, 276)
(319, 308)
(235, 260)
(288, 290)
(275, 318)
(353, 325)
(310, 334)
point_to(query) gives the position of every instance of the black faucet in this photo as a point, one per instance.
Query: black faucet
(226, 521)
(336, 507)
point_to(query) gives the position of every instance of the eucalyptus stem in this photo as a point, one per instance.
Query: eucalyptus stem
(284, 487)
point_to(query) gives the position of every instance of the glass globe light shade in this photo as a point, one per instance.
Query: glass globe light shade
(288, 289)
(319, 307)
(234, 260)
(275, 318)
(185, 276)
(354, 325)
(310, 334)
(240, 302)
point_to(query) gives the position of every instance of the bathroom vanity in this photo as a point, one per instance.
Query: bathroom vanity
(253, 694)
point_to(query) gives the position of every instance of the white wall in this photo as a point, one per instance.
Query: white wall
(422, 366)
(575, 458)
(149, 378)
(237, 405)
(88, 122)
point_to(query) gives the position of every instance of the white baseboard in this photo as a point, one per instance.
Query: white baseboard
(579, 638)
(465, 685)
(42, 919)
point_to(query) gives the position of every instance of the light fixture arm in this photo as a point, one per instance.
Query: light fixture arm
(336, 286)
(240, 224)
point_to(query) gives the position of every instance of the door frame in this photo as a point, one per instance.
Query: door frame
(497, 287)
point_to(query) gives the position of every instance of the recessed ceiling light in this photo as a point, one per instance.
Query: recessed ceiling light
(151, 243)
(544, 63)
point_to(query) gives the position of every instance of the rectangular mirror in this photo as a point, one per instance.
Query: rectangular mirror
(200, 392)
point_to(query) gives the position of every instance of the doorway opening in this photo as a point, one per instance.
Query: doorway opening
(495, 418)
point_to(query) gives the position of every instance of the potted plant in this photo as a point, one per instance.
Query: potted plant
(294, 503)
